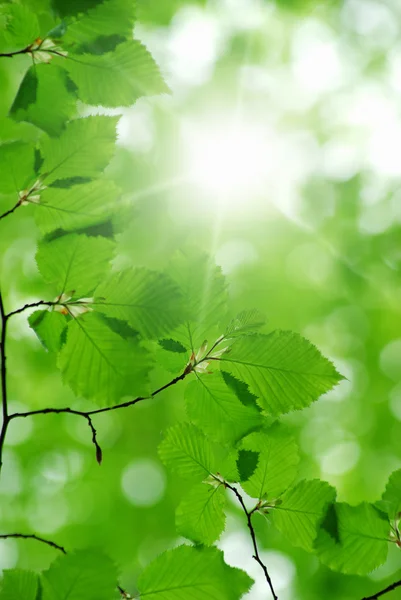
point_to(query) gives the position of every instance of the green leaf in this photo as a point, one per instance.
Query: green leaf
(49, 327)
(200, 514)
(82, 575)
(362, 541)
(301, 510)
(189, 453)
(173, 346)
(392, 495)
(19, 27)
(75, 263)
(83, 150)
(215, 408)
(150, 302)
(204, 289)
(99, 364)
(77, 206)
(247, 462)
(241, 390)
(116, 78)
(19, 585)
(43, 99)
(245, 323)
(283, 369)
(188, 573)
(17, 162)
(108, 18)
(277, 465)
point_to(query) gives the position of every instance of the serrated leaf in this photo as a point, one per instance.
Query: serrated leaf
(172, 346)
(32, 100)
(204, 289)
(277, 464)
(75, 263)
(245, 323)
(283, 369)
(49, 327)
(241, 390)
(83, 149)
(200, 514)
(192, 573)
(17, 172)
(108, 18)
(151, 302)
(362, 546)
(18, 584)
(116, 78)
(392, 495)
(301, 510)
(215, 408)
(189, 453)
(19, 27)
(98, 363)
(77, 206)
(247, 462)
(82, 575)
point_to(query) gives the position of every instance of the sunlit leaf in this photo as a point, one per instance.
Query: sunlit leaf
(200, 514)
(49, 327)
(192, 573)
(392, 494)
(283, 369)
(18, 585)
(19, 27)
(17, 160)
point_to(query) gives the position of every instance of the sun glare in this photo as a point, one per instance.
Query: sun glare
(226, 161)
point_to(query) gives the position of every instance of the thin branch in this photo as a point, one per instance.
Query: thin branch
(3, 375)
(11, 54)
(256, 555)
(388, 589)
(9, 212)
(24, 536)
(88, 414)
(32, 305)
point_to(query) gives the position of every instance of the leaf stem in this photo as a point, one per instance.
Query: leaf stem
(386, 590)
(256, 555)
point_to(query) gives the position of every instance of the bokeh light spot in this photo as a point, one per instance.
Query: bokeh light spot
(143, 482)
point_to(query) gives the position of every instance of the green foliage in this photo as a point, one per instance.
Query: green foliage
(200, 515)
(197, 573)
(19, 584)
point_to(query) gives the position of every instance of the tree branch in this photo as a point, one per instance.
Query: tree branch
(32, 305)
(9, 212)
(24, 536)
(256, 555)
(3, 375)
(88, 414)
(11, 54)
(386, 590)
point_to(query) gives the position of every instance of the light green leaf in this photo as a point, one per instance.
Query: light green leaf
(76, 207)
(106, 19)
(82, 575)
(277, 464)
(19, 585)
(392, 495)
(49, 327)
(151, 302)
(301, 510)
(215, 408)
(189, 453)
(32, 100)
(116, 78)
(200, 514)
(204, 289)
(17, 162)
(75, 263)
(355, 540)
(99, 364)
(19, 27)
(83, 150)
(283, 369)
(188, 573)
(245, 323)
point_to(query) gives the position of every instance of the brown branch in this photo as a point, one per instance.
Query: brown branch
(256, 555)
(9, 212)
(11, 54)
(32, 305)
(24, 536)
(386, 590)
(3, 375)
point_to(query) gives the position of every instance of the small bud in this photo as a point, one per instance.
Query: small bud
(99, 455)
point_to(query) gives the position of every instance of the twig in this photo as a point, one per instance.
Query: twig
(11, 54)
(256, 555)
(9, 212)
(88, 414)
(24, 536)
(32, 305)
(386, 590)
(6, 418)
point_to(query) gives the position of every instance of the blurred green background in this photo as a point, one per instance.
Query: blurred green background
(306, 225)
